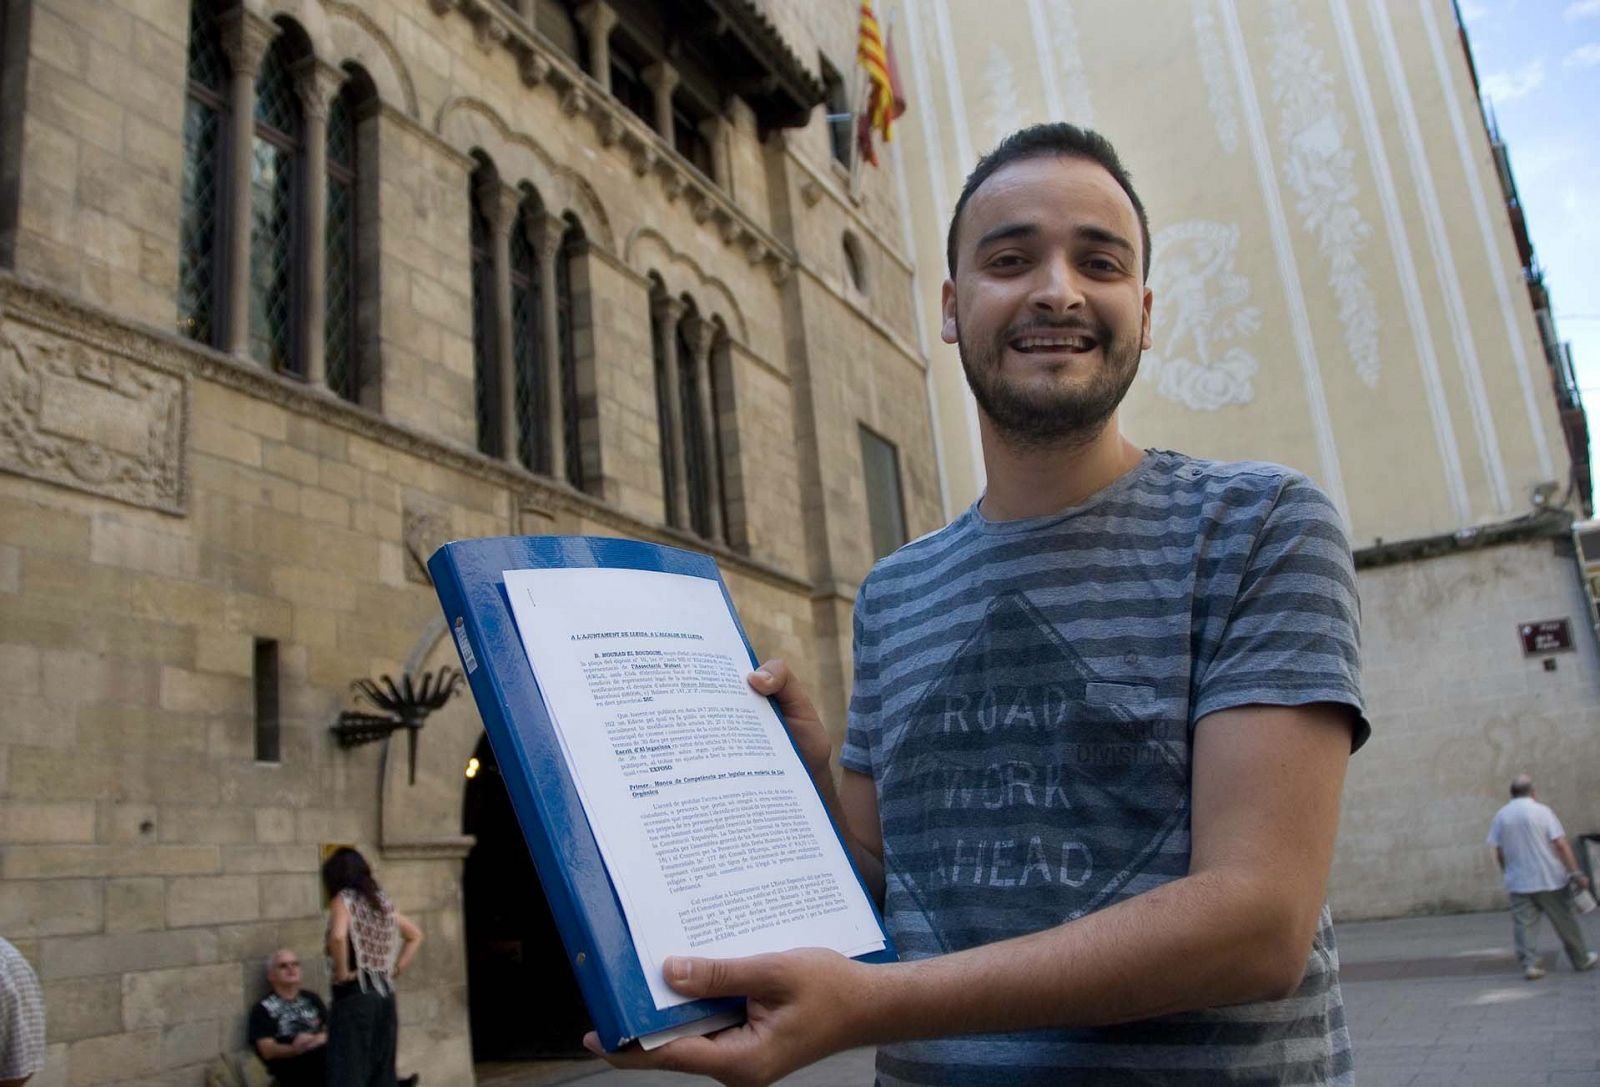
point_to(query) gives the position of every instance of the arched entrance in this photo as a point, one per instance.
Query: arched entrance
(522, 998)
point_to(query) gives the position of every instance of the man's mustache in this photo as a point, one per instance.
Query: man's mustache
(1038, 326)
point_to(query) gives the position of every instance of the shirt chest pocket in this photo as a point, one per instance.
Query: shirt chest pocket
(1132, 713)
(1137, 698)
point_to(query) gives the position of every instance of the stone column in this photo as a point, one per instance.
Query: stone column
(663, 79)
(701, 333)
(317, 85)
(668, 311)
(245, 38)
(501, 203)
(715, 129)
(549, 244)
(598, 19)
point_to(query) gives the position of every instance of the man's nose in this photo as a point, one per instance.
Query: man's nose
(1056, 288)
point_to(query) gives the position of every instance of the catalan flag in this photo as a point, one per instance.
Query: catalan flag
(885, 100)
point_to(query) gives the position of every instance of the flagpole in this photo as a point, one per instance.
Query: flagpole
(863, 89)
(866, 86)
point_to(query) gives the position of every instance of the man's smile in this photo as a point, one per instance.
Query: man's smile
(1053, 343)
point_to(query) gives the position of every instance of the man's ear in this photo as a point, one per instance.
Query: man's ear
(1144, 339)
(947, 304)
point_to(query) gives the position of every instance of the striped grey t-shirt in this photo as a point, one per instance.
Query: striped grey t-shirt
(1025, 700)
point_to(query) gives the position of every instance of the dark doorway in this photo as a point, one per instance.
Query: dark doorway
(521, 996)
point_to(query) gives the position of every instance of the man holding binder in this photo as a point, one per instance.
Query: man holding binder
(1100, 722)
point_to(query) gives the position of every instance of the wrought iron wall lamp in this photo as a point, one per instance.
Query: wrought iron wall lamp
(406, 705)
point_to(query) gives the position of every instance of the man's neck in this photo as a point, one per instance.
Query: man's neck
(287, 992)
(1034, 481)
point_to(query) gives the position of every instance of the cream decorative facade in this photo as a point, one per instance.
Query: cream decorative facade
(467, 268)
(1340, 287)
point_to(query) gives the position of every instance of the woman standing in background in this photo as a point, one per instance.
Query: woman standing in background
(370, 943)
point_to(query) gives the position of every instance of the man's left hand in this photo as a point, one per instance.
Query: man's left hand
(801, 1007)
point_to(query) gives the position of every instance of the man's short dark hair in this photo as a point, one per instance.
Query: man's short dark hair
(1040, 141)
(1521, 785)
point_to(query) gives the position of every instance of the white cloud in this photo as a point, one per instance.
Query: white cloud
(1501, 87)
(1472, 11)
(1582, 9)
(1585, 56)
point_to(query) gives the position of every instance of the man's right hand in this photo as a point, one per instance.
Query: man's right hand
(774, 680)
(801, 1006)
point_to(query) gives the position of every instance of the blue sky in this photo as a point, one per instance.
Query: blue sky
(1539, 66)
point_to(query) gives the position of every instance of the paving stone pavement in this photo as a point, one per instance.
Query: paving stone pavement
(1430, 1001)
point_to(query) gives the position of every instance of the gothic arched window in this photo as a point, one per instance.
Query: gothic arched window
(484, 372)
(696, 470)
(342, 338)
(572, 320)
(275, 203)
(661, 333)
(724, 440)
(527, 343)
(205, 122)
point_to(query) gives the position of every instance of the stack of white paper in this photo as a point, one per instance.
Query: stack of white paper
(712, 832)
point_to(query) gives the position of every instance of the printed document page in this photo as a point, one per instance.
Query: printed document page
(710, 828)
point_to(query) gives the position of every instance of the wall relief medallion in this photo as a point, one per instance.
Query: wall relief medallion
(425, 531)
(1200, 316)
(81, 417)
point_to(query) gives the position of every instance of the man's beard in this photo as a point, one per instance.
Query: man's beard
(1053, 417)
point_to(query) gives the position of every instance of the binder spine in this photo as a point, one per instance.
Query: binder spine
(577, 933)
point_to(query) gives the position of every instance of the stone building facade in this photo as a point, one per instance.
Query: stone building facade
(1342, 284)
(291, 291)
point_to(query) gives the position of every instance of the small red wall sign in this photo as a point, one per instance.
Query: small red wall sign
(1546, 636)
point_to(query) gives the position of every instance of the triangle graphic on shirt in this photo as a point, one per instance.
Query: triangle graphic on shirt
(1025, 790)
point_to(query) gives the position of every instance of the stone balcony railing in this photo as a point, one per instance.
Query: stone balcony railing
(540, 63)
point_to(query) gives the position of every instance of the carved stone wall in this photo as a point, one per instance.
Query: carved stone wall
(88, 417)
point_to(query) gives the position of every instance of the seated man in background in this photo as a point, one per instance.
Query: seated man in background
(289, 1026)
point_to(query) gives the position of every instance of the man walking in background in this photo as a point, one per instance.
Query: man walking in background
(1532, 850)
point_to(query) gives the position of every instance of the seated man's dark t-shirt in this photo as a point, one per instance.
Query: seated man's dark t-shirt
(281, 1020)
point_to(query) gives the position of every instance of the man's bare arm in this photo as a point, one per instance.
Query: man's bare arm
(1238, 928)
(1563, 850)
(853, 803)
(1265, 811)
(858, 796)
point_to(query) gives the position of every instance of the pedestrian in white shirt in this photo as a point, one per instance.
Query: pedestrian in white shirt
(1532, 850)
